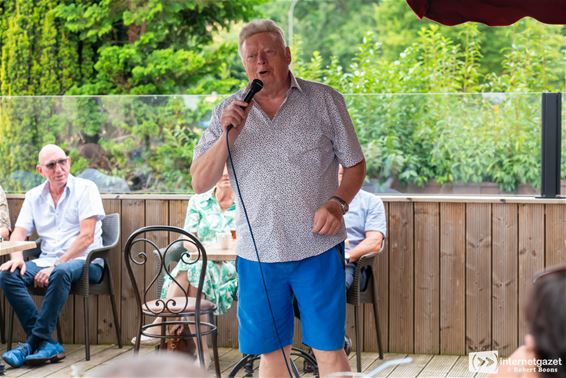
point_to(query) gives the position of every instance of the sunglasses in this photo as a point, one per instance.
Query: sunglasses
(53, 164)
(560, 269)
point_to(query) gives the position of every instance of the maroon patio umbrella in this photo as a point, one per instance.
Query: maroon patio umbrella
(490, 12)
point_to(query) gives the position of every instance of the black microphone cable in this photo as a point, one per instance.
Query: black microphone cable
(253, 239)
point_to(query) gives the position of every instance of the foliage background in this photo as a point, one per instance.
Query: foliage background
(430, 103)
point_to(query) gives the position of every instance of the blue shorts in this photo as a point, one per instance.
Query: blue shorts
(318, 285)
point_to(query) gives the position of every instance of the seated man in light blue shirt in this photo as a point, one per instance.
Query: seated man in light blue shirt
(66, 213)
(366, 227)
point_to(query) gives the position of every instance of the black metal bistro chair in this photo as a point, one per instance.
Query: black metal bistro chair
(83, 288)
(183, 310)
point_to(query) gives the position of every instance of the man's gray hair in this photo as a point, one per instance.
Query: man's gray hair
(260, 26)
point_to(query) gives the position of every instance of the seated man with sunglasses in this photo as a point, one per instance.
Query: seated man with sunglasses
(66, 213)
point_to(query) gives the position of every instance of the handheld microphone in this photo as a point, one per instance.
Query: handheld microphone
(255, 87)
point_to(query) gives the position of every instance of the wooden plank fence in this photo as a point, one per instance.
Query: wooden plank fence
(454, 276)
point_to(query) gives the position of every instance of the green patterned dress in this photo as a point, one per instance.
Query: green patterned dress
(205, 219)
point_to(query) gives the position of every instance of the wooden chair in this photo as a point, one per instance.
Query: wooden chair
(182, 310)
(110, 238)
(357, 296)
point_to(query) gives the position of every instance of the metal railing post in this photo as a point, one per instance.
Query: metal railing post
(551, 145)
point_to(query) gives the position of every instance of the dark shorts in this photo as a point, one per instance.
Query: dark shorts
(318, 285)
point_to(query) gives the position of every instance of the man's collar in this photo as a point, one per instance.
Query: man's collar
(70, 184)
(45, 189)
(294, 82)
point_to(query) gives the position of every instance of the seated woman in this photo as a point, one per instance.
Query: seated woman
(208, 214)
(544, 352)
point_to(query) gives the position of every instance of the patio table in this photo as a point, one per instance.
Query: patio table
(215, 252)
(7, 247)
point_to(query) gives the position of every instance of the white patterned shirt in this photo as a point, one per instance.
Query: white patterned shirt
(287, 167)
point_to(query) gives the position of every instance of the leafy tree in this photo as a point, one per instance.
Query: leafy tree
(154, 46)
(333, 28)
(397, 26)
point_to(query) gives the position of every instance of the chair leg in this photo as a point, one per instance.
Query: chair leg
(215, 347)
(2, 327)
(59, 337)
(10, 329)
(116, 321)
(200, 352)
(246, 361)
(138, 336)
(163, 342)
(358, 338)
(87, 330)
(376, 319)
(249, 366)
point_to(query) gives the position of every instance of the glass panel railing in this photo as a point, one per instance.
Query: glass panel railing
(485, 143)
(123, 143)
(563, 145)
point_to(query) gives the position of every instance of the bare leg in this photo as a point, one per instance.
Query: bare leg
(273, 365)
(331, 361)
(175, 290)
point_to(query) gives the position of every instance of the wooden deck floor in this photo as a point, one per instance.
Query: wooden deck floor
(75, 365)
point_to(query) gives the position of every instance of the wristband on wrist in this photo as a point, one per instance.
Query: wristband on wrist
(343, 204)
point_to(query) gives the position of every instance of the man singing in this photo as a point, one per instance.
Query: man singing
(286, 146)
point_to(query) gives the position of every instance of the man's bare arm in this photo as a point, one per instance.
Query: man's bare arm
(371, 243)
(81, 243)
(352, 181)
(207, 169)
